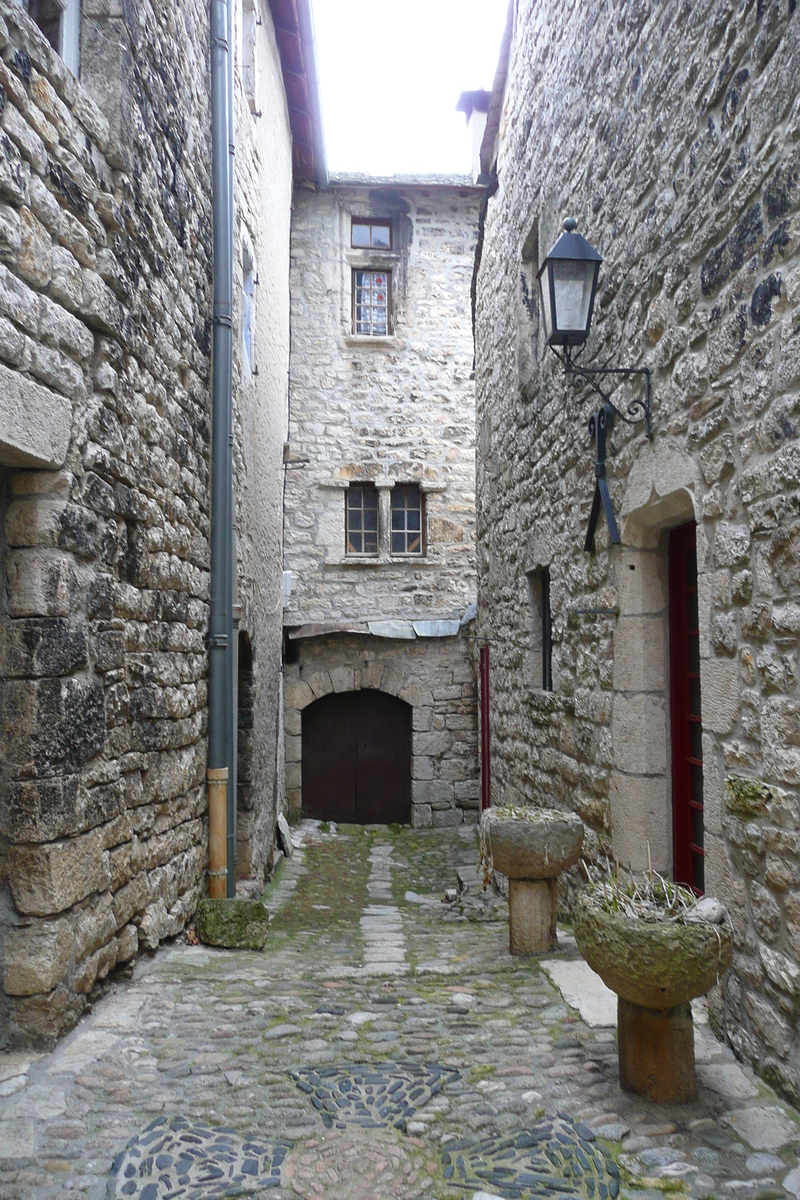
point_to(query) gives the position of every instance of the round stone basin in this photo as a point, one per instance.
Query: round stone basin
(657, 965)
(539, 846)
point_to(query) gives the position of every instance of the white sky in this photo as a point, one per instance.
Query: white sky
(391, 72)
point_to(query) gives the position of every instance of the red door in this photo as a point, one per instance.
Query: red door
(357, 758)
(687, 726)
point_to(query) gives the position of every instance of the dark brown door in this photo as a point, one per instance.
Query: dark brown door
(357, 758)
(687, 725)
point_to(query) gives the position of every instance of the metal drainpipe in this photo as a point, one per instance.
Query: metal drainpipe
(220, 691)
(233, 646)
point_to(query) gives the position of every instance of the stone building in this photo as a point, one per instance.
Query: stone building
(105, 336)
(380, 708)
(652, 685)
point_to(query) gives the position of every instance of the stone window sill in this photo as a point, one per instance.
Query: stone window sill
(355, 560)
(367, 342)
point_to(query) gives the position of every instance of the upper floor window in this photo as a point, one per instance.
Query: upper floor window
(361, 519)
(60, 22)
(371, 234)
(407, 514)
(372, 292)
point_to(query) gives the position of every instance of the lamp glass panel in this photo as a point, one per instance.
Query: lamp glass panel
(572, 283)
(544, 290)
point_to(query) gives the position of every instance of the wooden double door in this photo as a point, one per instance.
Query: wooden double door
(357, 758)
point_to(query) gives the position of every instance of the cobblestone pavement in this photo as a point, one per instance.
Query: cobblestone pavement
(384, 1045)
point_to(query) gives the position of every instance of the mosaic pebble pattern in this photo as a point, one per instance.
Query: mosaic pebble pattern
(173, 1158)
(555, 1158)
(372, 1095)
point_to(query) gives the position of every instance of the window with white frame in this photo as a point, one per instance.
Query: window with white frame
(371, 301)
(60, 22)
(407, 519)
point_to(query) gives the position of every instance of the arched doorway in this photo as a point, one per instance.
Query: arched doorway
(357, 758)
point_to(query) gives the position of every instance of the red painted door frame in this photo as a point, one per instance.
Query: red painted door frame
(486, 772)
(687, 727)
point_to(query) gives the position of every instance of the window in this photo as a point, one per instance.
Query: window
(368, 234)
(248, 283)
(248, 52)
(406, 520)
(371, 297)
(361, 519)
(540, 654)
(59, 21)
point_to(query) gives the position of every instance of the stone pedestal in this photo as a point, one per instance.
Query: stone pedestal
(656, 1052)
(532, 912)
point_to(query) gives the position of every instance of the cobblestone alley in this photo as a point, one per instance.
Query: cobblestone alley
(385, 1044)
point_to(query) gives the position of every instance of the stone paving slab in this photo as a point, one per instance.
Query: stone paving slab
(504, 1090)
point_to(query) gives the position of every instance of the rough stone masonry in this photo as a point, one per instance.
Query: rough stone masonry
(105, 303)
(671, 133)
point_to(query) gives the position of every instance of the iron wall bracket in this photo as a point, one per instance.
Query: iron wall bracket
(601, 423)
(638, 410)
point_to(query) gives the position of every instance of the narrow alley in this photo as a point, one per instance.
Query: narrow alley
(384, 1044)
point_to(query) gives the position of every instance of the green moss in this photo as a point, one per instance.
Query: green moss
(745, 797)
(483, 1071)
(234, 924)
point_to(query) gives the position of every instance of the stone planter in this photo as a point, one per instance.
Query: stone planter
(655, 968)
(532, 850)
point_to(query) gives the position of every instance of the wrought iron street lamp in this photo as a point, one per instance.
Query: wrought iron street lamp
(567, 286)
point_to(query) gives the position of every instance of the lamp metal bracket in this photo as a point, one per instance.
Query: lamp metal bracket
(638, 410)
(601, 423)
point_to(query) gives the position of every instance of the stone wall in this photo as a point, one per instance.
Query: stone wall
(435, 676)
(261, 247)
(670, 131)
(105, 302)
(387, 410)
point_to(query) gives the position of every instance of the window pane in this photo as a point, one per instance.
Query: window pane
(406, 520)
(371, 302)
(361, 519)
(381, 236)
(360, 234)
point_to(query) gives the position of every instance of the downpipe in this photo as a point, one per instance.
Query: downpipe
(220, 640)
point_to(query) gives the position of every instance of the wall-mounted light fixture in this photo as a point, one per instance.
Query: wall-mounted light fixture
(567, 285)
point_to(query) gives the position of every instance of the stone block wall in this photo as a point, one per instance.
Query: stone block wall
(105, 303)
(263, 190)
(395, 409)
(435, 676)
(670, 132)
(389, 410)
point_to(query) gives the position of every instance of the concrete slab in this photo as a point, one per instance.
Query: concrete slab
(768, 1128)
(727, 1079)
(81, 1051)
(583, 989)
